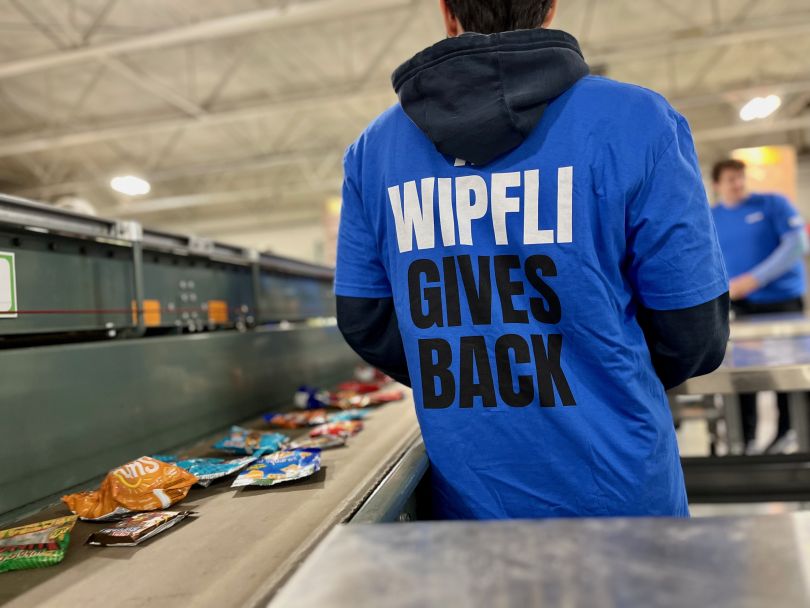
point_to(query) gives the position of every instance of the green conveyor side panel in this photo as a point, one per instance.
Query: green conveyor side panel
(68, 285)
(70, 413)
(187, 284)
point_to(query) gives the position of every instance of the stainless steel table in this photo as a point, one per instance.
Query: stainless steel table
(782, 325)
(718, 563)
(771, 353)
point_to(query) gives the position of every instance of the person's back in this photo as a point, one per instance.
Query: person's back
(526, 221)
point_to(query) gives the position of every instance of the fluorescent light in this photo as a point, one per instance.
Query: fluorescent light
(760, 107)
(130, 185)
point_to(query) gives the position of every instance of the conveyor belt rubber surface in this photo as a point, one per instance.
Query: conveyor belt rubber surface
(241, 547)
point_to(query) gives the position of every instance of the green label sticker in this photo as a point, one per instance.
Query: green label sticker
(8, 287)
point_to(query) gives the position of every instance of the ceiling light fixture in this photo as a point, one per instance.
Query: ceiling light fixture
(130, 185)
(760, 107)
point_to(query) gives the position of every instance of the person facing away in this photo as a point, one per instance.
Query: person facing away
(531, 248)
(763, 241)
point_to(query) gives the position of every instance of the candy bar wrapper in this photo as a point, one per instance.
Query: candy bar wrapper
(297, 420)
(136, 529)
(279, 468)
(251, 443)
(145, 484)
(35, 545)
(208, 470)
(325, 442)
(345, 428)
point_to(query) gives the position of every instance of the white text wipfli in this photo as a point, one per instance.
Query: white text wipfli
(469, 198)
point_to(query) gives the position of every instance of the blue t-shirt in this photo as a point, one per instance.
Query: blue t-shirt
(750, 232)
(516, 286)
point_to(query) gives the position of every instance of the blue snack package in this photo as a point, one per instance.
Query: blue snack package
(309, 398)
(347, 415)
(207, 470)
(251, 443)
(280, 468)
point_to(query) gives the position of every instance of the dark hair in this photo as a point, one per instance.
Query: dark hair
(492, 16)
(730, 164)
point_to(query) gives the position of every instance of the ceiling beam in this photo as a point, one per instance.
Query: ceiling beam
(287, 158)
(699, 39)
(329, 186)
(744, 92)
(285, 16)
(748, 129)
(299, 102)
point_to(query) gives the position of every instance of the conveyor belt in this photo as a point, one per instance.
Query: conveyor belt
(239, 549)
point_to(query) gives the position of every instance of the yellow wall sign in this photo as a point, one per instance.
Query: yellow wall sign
(770, 169)
(8, 286)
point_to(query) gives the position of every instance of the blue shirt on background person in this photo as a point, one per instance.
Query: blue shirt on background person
(531, 248)
(750, 232)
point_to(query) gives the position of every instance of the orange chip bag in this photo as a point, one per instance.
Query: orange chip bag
(145, 484)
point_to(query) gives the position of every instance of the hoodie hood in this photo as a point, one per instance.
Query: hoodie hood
(478, 96)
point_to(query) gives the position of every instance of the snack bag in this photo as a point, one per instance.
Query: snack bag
(366, 373)
(347, 400)
(256, 443)
(324, 442)
(309, 398)
(347, 415)
(279, 468)
(360, 388)
(35, 545)
(345, 428)
(297, 420)
(384, 397)
(145, 484)
(208, 470)
(135, 529)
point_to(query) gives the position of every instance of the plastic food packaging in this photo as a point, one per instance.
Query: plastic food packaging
(35, 545)
(347, 415)
(384, 397)
(255, 443)
(297, 420)
(366, 373)
(324, 442)
(280, 468)
(309, 398)
(344, 428)
(361, 388)
(208, 470)
(145, 484)
(348, 400)
(135, 529)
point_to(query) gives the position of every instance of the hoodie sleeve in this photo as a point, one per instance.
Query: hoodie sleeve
(688, 342)
(370, 327)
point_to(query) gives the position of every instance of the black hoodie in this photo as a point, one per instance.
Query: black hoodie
(478, 97)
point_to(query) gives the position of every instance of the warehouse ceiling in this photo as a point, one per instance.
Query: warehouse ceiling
(238, 112)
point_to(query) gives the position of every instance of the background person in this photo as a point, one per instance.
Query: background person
(763, 241)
